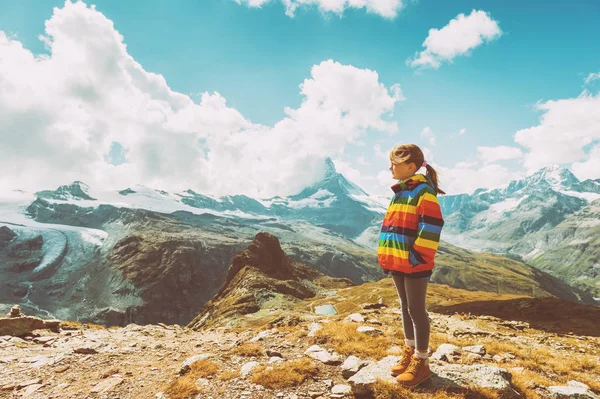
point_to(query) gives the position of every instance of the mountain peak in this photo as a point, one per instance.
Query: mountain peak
(74, 191)
(330, 170)
(555, 175)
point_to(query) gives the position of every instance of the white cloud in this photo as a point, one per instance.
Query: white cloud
(348, 171)
(591, 77)
(461, 35)
(462, 131)
(499, 153)
(385, 8)
(62, 112)
(566, 127)
(466, 177)
(428, 134)
(379, 153)
(590, 168)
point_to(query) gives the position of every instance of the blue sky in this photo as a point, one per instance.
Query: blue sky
(257, 57)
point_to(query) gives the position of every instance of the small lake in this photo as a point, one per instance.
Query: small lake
(325, 309)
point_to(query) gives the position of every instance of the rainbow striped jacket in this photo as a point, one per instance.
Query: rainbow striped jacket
(411, 229)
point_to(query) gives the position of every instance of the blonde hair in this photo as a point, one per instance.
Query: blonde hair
(412, 153)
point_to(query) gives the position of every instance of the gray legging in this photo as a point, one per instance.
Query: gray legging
(415, 320)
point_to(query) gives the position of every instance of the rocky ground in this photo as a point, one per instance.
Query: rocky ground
(307, 356)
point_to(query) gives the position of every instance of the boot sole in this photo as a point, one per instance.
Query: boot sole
(416, 385)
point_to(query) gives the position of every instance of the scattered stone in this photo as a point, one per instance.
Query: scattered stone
(447, 353)
(477, 349)
(341, 389)
(503, 357)
(355, 317)
(185, 366)
(107, 385)
(320, 354)
(374, 321)
(86, 350)
(573, 389)
(328, 383)
(372, 331)
(361, 382)
(62, 369)
(35, 381)
(31, 389)
(313, 328)
(273, 353)
(458, 375)
(275, 359)
(261, 335)
(377, 305)
(247, 368)
(351, 366)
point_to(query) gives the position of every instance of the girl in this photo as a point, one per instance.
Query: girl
(408, 241)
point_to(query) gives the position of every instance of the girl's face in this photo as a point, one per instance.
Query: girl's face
(403, 170)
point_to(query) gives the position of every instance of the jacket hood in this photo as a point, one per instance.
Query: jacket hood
(412, 183)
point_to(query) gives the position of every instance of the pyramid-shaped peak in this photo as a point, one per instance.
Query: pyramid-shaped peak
(330, 170)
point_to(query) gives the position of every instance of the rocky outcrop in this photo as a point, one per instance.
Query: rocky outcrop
(262, 275)
(17, 324)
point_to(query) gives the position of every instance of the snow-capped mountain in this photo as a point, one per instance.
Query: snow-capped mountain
(511, 220)
(333, 202)
(75, 191)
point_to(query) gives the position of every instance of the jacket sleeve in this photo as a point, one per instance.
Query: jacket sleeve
(430, 223)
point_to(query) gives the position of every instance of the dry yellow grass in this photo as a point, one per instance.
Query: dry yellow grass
(185, 386)
(284, 375)
(228, 375)
(385, 390)
(249, 349)
(345, 340)
(526, 380)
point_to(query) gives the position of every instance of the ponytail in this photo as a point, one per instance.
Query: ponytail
(432, 174)
(412, 153)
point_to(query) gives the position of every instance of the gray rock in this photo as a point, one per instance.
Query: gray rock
(261, 335)
(477, 349)
(459, 375)
(313, 328)
(351, 366)
(320, 354)
(447, 353)
(107, 385)
(355, 317)
(341, 389)
(361, 382)
(185, 366)
(372, 331)
(573, 389)
(247, 368)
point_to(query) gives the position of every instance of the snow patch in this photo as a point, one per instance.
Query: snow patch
(586, 195)
(95, 237)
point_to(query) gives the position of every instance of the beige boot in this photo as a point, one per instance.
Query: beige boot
(416, 372)
(401, 366)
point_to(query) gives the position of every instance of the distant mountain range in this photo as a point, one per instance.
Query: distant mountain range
(145, 255)
(549, 219)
